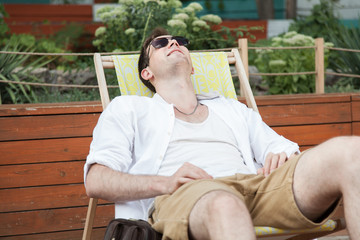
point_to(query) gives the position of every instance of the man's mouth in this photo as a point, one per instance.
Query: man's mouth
(175, 50)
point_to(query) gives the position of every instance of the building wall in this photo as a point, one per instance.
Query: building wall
(245, 10)
(349, 10)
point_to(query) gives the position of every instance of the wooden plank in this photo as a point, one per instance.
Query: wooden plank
(55, 126)
(313, 134)
(50, 12)
(51, 220)
(319, 66)
(49, 108)
(356, 128)
(97, 233)
(306, 114)
(355, 97)
(300, 99)
(33, 151)
(259, 34)
(43, 174)
(37, 198)
(356, 111)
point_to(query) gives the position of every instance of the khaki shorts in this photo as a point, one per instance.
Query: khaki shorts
(270, 201)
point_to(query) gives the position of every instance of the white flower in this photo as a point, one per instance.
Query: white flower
(97, 42)
(188, 10)
(199, 23)
(290, 34)
(105, 16)
(174, 3)
(196, 6)
(104, 9)
(277, 63)
(176, 23)
(181, 16)
(117, 50)
(212, 18)
(100, 31)
(329, 44)
(146, 1)
(277, 39)
(162, 4)
(299, 39)
(119, 10)
(129, 31)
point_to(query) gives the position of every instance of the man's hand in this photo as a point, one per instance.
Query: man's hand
(272, 162)
(186, 173)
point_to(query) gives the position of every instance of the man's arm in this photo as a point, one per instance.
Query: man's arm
(105, 183)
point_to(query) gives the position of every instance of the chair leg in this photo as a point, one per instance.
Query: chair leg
(90, 218)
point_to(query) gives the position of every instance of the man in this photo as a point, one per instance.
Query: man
(196, 156)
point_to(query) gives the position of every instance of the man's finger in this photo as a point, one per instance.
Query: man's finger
(283, 159)
(274, 162)
(268, 163)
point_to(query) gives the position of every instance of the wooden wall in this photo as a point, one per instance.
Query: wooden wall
(43, 148)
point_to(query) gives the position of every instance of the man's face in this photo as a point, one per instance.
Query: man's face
(166, 49)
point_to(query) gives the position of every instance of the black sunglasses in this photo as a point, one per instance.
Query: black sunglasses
(164, 41)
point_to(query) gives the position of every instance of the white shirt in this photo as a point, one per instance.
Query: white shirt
(133, 134)
(209, 145)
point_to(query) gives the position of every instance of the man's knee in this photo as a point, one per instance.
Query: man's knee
(346, 146)
(222, 202)
(340, 154)
(220, 213)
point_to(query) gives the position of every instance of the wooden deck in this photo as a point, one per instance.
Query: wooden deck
(43, 148)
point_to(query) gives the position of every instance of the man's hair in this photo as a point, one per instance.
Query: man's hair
(144, 58)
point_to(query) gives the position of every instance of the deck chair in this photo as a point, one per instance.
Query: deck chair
(210, 68)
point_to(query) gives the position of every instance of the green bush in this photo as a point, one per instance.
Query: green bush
(321, 19)
(346, 61)
(127, 25)
(289, 61)
(16, 68)
(323, 22)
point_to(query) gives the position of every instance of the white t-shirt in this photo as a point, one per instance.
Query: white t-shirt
(209, 145)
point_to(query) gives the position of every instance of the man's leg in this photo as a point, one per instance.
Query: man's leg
(220, 215)
(324, 174)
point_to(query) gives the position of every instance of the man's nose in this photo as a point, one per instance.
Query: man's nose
(172, 42)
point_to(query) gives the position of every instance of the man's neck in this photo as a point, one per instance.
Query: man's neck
(178, 92)
(186, 105)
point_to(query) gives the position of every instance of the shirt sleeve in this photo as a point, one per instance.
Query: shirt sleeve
(264, 139)
(112, 143)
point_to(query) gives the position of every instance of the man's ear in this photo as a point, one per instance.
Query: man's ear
(192, 70)
(146, 73)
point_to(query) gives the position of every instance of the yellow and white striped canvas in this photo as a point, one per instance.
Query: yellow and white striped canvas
(262, 231)
(211, 73)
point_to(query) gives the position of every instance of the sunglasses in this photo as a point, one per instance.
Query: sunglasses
(164, 41)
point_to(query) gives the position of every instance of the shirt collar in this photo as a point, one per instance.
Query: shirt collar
(202, 96)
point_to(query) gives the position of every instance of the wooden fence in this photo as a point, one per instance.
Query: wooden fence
(43, 148)
(319, 70)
